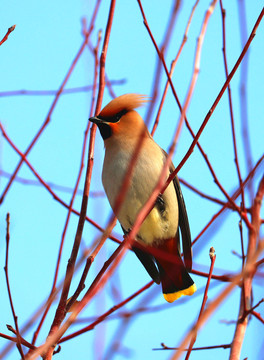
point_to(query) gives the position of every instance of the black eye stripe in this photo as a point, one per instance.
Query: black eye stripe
(114, 118)
(119, 115)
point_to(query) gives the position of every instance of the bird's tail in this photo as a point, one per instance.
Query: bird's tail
(174, 277)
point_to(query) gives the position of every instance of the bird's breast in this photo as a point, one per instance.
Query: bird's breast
(162, 221)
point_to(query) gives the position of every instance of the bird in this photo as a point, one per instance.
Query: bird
(121, 127)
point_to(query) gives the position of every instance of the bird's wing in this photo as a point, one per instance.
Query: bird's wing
(183, 221)
(183, 224)
(147, 261)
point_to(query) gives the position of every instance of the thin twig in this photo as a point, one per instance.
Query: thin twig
(202, 194)
(248, 155)
(90, 259)
(12, 28)
(257, 316)
(231, 107)
(14, 339)
(250, 311)
(224, 346)
(243, 257)
(18, 341)
(69, 91)
(212, 258)
(223, 278)
(173, 64)
(163, 48)
(55, 186)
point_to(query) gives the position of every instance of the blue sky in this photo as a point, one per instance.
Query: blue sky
(37, 56)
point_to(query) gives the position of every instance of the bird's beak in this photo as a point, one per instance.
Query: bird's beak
(96, 120)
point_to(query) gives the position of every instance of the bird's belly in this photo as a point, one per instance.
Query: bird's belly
(158, 225)
(155, 228)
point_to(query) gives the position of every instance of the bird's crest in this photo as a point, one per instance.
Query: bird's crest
(124, 102)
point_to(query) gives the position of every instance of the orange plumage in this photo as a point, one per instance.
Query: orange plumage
(126, 101)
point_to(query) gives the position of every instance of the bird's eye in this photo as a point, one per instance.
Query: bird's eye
(118, 116)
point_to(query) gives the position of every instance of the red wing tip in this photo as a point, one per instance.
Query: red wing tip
(174, 296)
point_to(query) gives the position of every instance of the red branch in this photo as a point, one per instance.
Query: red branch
(245, 121)
(231, 108)
(161, 53)
(253, 244)
(258, 316)
(18, 340)
(12, 28)
(224, 346)
(251, 311)
(52, 185)
(212, 258)
(89, 260)
(173, 64)
(14, 339)
(68, 91)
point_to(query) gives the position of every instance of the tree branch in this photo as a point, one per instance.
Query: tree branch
(12, 28)
(18, 339)
(246, 294)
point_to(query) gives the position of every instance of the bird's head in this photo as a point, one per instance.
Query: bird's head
(118, 119)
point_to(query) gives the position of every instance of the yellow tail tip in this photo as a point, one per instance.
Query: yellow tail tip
(174, 296)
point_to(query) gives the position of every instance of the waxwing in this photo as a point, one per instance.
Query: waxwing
(121, 127)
